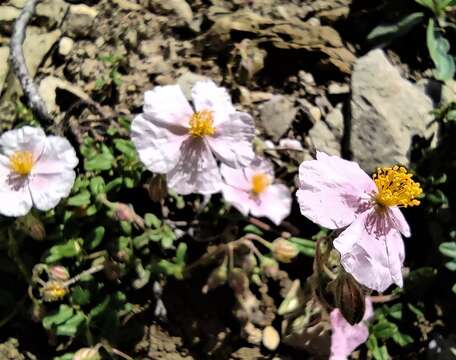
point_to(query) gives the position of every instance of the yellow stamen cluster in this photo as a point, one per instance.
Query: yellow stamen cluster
(260, 182)
(21, 162)
(201, 124)
(396, 187)
(54, 291)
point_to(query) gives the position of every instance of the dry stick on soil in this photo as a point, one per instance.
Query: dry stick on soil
(34, 100)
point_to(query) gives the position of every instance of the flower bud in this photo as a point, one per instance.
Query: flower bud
(53, 291)
(217, 278)
(59, 273)
(87, 354)
(32, 226)
(284, 250)
(157, 188)
(269, 266)
(124, 212)
(349, 298)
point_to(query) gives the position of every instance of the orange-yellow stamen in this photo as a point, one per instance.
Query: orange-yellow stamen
(396, 187)
(21, 162)
(201, 124)
(260, 182)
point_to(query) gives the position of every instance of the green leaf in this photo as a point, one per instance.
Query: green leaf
(81, 199)
(101, 161)
(451, 265)
(80, 296)
(438, 48)
(97, 185)
(448, 249)
(151, 221)
(95, 237)
(379, 353)
(305, 246)
(70, 249)
(126, 147)
(427, 3)
(385, 33)
(402, 339)
(59, 316)
(384, 329)
(67, 356)
(180, 253)
(252, 229)
(453, 289)
(168, 237)
(72, 325)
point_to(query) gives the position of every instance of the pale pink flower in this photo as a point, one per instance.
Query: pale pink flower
(345, 338)
(252, 190)
(35, 170)
(337, 194)
(172, 138)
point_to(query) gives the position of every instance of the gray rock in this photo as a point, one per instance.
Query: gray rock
(4, 65)
(387, 112)
(186, 82)
(277, 115)
(51, 12)
(79, 21)
(326, 135)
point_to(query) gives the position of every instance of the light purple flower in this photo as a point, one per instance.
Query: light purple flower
(337, 194)
(345, 338)
(35, 170)
(172, 138)
(251, 190)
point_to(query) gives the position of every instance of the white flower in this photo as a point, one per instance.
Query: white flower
(35, 170)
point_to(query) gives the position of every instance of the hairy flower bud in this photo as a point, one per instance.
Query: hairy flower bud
(157, 188)
(349, 298)
(284, 250)
(32, 226)
(269, 266)
(87, 354)
(125, 212)
(217, 277)
(59, 273)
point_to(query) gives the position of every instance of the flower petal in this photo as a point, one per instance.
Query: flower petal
(345, 338)
(260, 165)
(167, 104)
(235, 177)
(48, 189)
(208, 96)
(158, 147)
(27, 138)
(196, 171)
(232, 141)
(274, 203)
(58, 155)
(15, 199)
(333, 191)
(374, 260)
(399, 221)
(240, 199)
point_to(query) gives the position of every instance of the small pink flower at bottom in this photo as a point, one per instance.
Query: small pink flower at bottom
(173, 139)
(337, 194)
(35, 170)
(346, 338)
(251, 190)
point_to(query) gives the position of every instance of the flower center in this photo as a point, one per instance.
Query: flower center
(260, 182)
(396, 187)
(201, 124)
(21, 162)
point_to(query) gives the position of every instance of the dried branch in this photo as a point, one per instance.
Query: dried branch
(17, 60)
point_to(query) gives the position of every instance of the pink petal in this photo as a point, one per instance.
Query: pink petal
(167, 104)
(196, 171)
(158, 147)
(400, 223)
(235, 177)
(48, 189)
(58, 155)
(15, 199)
(333, 191)
(259, 165)
(240, 199)
(232, 141)
(373, 256)
(346, 338)
(208, 96)
(27, 138)
(274, 203)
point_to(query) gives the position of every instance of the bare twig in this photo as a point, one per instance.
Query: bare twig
(34, 100)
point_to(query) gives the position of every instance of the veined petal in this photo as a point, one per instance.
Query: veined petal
(196, 170)
(274, 203)
(333, 191)
(158, 148)
(58, 156)
(232, 141)
(15, 199)
(374, 257)
(235, 177)
(240, 199)
(399, 221)
(167, 104)
(208, 96)
(26, 138)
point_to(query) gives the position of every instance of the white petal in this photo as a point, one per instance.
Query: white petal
(58, 156)
(158, 147)
(240, 199)
(48, 189)
(274, 203)
(260, 165)
(196, 170)
(399, 221)
(235, 177)
(232, 141)
(167, 104)
(208, 96)
(15, 199)
(27, 138)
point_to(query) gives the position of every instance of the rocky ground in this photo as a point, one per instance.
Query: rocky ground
(301, 68)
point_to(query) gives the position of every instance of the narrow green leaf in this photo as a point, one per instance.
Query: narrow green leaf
(448, 249)
(438, 48)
